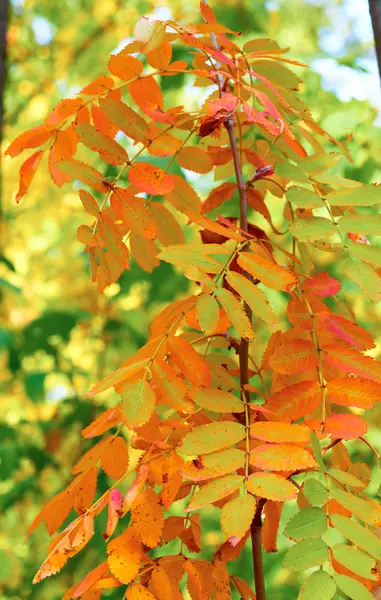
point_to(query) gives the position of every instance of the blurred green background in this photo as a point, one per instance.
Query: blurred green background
(57, 335)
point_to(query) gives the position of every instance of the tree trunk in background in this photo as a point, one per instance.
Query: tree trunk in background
(375, 15)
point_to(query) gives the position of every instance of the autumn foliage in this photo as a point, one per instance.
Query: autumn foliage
(212, 424)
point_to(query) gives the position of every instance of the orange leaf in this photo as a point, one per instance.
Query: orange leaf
(146, 93)
(78, 170)
(183, 196)
(195, 159)
(125, 66)
(148, 518)
(280, 432)
(293, 357)
(160, 57)
(134, 214)
(272, 511)
(114, 460)
(281, 457)
(86, 236)
(222, 193)
(269, 485)
(322, 285)
(172, 389)
(136, 591)
(348, 391)
(150, 179)
(126, 119)
(89, 204)
(271, 274)
(190, 363)
(171, 479)
(346, 330)
(168, 229)
(63, 110)
(295, 401)
(109, 150)
(236, 313)
(144, 252)
(346, 427)
(29, 139)
(130, 371)
(124, 555)
(89, 580)
(64, 148)
(98, 86)
(27, 172)
(349, 360)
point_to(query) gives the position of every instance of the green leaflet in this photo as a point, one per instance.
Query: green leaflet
(365, 195)
(215, 490)
(346, 478)
(208, 313)
(290, 171)
(353, 588)
(205, 439)
(108, 149)
(366, 224)
(355, 560)
(358, 535)
(308, 553)
(216, 400)
(370, 254)
(317, 163)
(277, 73)
(309, 522)
(303, 198)
(365, 510)
(184, 256)
(317, 451)
(237, 515)
(128, 121)
(138, 402)
(236, 313)
(319, 586)
(364, 276)
(314, 228)
(253, 296)
(315, 492)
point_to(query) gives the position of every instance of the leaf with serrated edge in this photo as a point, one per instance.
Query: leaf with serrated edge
(319, 586)
(308, 553)
(211, 437)
(269, 485)
(215, 490)
(309, 522)
(216, 400)
(358, 535)
(352, 588)
(237, 515)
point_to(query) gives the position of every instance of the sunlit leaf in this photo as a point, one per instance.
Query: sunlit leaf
(205, 439)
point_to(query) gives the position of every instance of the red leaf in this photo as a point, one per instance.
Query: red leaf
(346, 427)
(150, 179)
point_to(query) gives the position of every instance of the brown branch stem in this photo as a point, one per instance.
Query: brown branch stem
(256, 526)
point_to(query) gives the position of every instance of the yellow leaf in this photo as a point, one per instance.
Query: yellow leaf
(138, 402)
(237, 515)
(236, 313)
(268, 485)
(114, 461)
(124, 554)
(211, 437)
(148, 518)
(215, 490)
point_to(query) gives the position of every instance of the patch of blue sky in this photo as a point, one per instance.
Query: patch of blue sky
(44, 31)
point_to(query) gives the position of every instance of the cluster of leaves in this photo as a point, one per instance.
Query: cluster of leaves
(204, 430)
